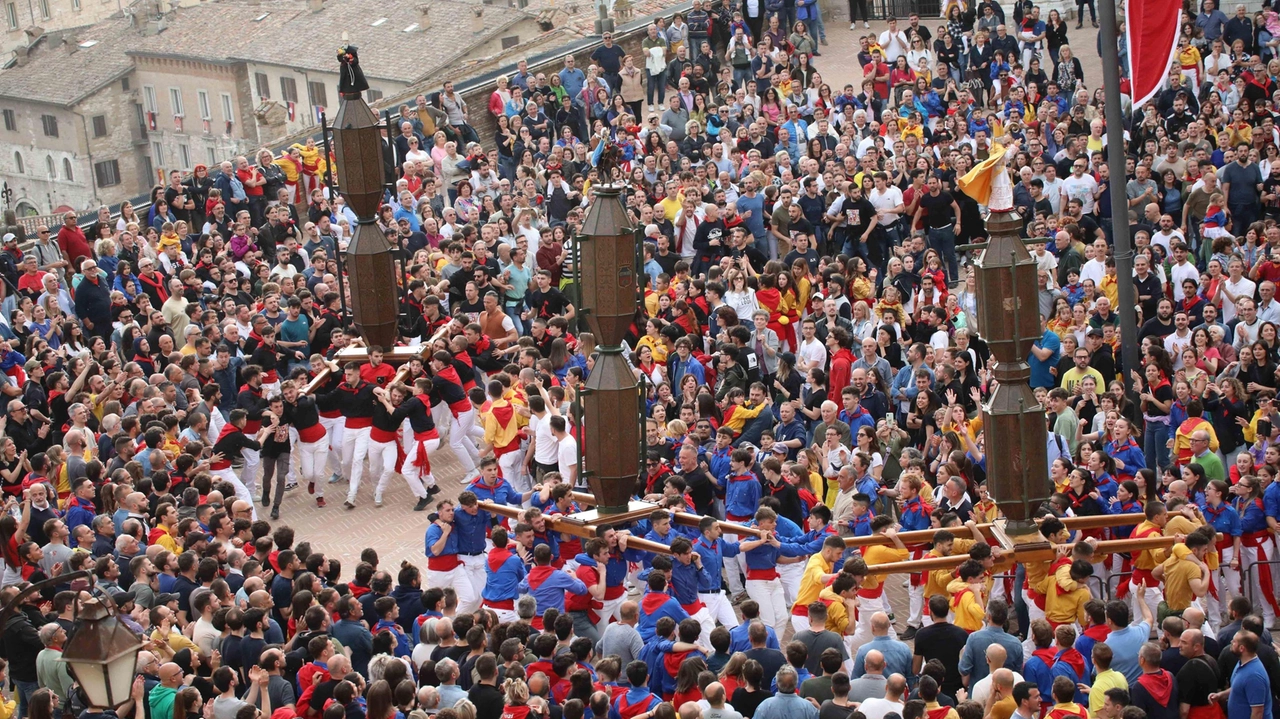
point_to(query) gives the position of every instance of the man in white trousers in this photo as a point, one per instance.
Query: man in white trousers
(471, 525)
(817, 574)
(232, 444)
(502, 430)
(763, 583)
(313, 439)
(354, 400)
(253, 400)
(451, 388)
(444, 566)
(688, 573)
(504, 569)
(420, 437)
(871, 596)
(714, 550)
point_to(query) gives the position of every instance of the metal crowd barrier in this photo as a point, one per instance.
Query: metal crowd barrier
(1247, 579)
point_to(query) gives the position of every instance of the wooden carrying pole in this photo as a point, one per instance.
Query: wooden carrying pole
(1034, 552)
(360, 354)
(682, 518)
(925, 536)
(559, 524)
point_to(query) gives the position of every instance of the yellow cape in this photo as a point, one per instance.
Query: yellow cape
(977, 182)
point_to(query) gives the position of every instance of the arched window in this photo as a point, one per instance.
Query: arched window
(18, 164)
(67, 174)
(51, 167)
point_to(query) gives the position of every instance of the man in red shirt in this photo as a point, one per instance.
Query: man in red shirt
(878, 70)
(31, 281)
(376, 371)
(253, 181)
(72, 242)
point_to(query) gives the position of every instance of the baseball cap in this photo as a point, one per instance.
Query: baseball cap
(10, 237)
(164, 598)
(1093, 332)
(123, 598)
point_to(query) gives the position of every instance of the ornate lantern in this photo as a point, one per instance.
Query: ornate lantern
(357, 150)
(1013, 421)
(102, 654)
(611, 406)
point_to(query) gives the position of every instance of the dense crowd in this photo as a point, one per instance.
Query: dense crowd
(809, 351)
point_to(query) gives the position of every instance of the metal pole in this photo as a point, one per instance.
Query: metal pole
(1116, 153)
(333, 196)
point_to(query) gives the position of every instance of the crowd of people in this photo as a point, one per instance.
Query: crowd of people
(812, 366)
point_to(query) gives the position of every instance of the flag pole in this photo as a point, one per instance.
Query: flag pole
(1116, 153)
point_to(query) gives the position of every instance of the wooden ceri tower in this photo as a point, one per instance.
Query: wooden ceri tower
(1013, 421)
(612, 418)
(357, 148)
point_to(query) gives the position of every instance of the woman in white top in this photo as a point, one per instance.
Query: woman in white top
(415, 153)
(867, 444)
(834, 454)
(919, 51)
(686, 225)
(863, 324)
(739, 295)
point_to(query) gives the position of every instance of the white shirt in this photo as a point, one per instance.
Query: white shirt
(895, 45)
(1080, 188)
(1093, 270)
(1053, 193)
(1174, 344)
(814, 353)
(568, 449)
(1242, 289)
(885, 201)
(1180, 273)
(1246, 334)
(546, 450)
(983, 687)
(1166, 240)
(878, 707)
(1269, 312)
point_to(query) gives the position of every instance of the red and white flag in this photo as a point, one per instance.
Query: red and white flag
(1151, 31)
(291, 110)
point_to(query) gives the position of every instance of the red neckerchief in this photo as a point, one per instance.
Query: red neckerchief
(157, 284)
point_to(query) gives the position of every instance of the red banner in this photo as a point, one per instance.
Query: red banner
(1151, 31)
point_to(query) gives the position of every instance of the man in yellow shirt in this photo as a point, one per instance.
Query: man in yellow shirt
(937, 580)
(967, 596)
(1184, 572)
(817, 573)
(1148, 559)
(1063, 606)
(502, 425)
(1105, 678)
(1036, 582)
(841, 599)
(871, 593)
(1000, 703)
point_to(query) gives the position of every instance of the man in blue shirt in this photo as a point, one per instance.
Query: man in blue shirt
(751, 210)
(1211, 21)
(897, 655)
(1125, 639)
(1249, 693)
(572, 78)
(973, 660)
(1045, 354)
